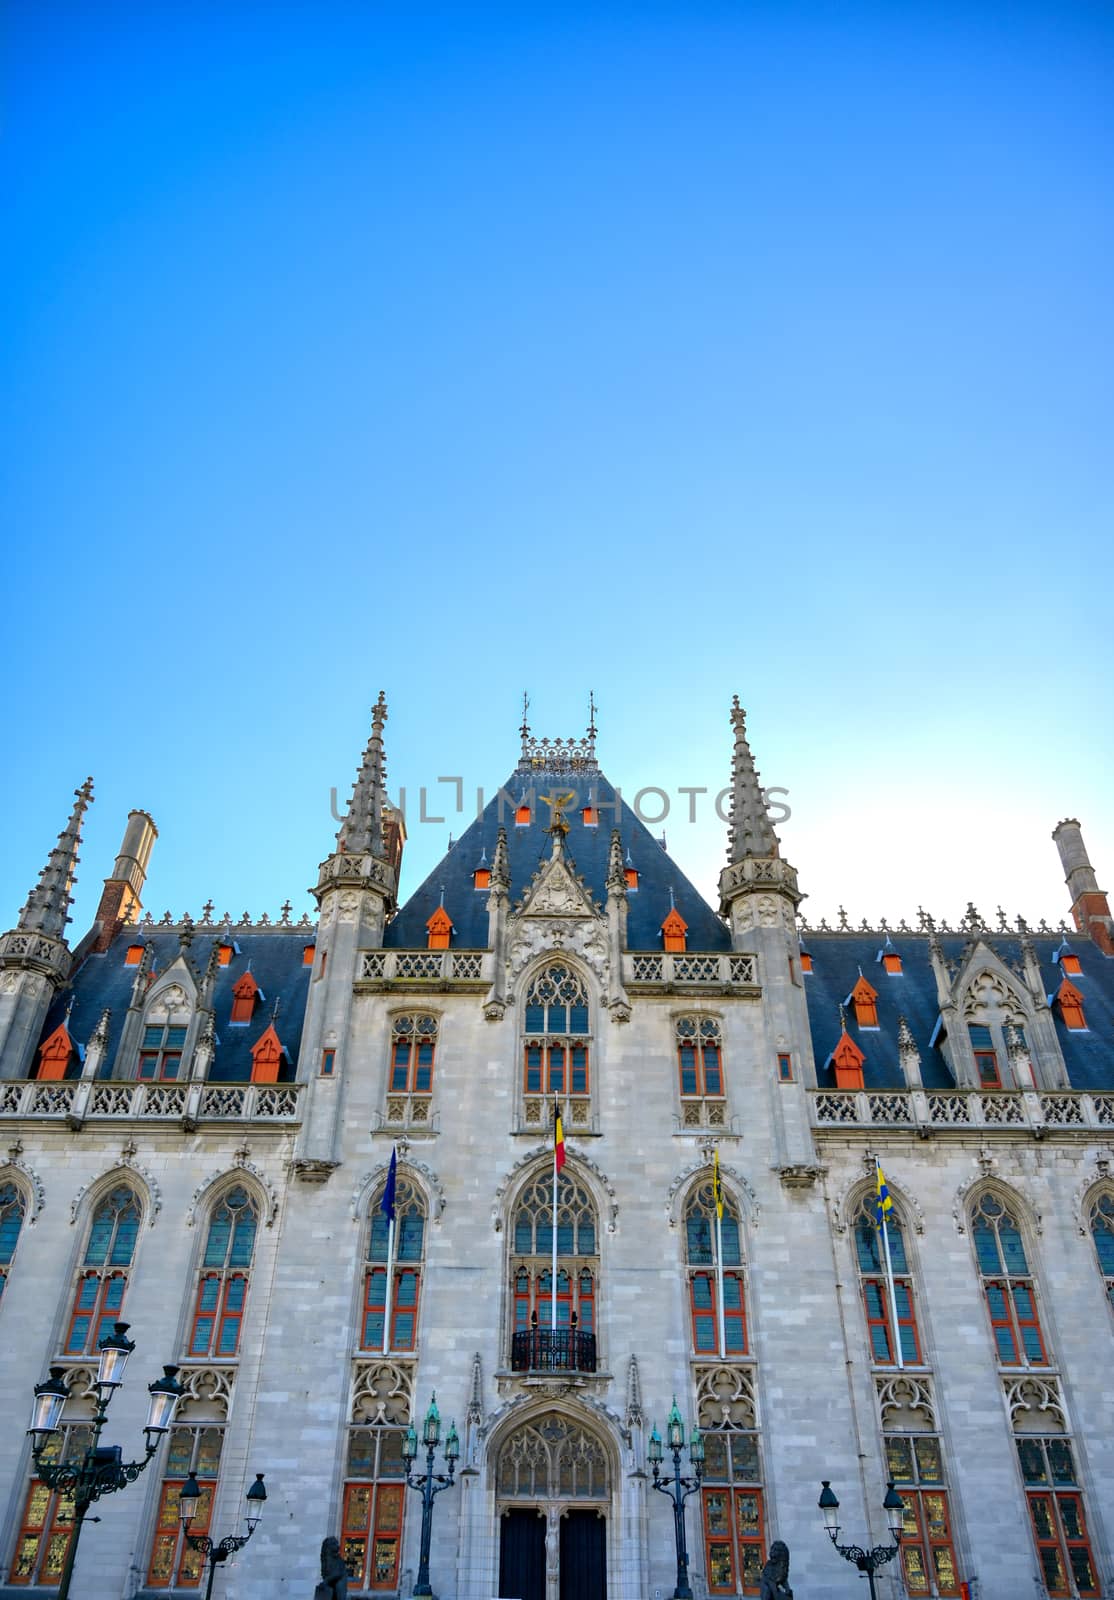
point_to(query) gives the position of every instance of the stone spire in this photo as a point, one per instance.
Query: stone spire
(500, 862)
(361, 832)
(616, 872)
(48, 904)
(750, 832)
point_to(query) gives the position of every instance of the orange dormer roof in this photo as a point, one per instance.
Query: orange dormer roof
(674, 931)
(864, 998)
(56, 1053)
(266, 1056)
(847, 1059)
(1070, 1001)
(439, 930)
(244, 993)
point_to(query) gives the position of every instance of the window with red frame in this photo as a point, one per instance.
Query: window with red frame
(915, 1463)
(986, 1057)
(1070, 1003)
(103, 1281)
(1057, 1516)
(1102, 1232)
(700, 1056)
(532, 1255)
(732, 1513)
(46, 1527)
(413, 1046)
(875, 1289)
(160, 1055)
(1070, 964)
(1008, 1285)
(373, 1508)
(174, 1562)
(409, 1245)
(864, 998)
(11, 1222)
(700, 1257)
(222, 1286)
(555, 1057)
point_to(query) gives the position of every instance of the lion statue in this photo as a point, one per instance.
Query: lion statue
(775, 1574)
(334, 1574)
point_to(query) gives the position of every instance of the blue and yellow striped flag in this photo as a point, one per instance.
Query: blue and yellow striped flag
(883, 1205)
(717, 1190)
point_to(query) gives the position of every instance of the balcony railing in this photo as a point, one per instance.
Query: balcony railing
(691, 970)
(77, 1101)
(463, 968)
(934, 1109)
(553, 1350)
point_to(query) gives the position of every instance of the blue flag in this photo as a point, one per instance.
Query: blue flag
(883, 1205)
(387, 1204)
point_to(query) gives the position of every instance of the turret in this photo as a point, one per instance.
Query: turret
(121, 898)
(754, 864)
(35, 953)
(1089, 905)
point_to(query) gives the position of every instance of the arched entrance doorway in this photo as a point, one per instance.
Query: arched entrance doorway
(553, 1490)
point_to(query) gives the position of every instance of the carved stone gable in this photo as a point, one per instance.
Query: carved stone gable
(556, 893)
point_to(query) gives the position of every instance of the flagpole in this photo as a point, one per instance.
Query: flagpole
(553, 1280)
(717, 1195)
(390, 1275)
(889, 1271)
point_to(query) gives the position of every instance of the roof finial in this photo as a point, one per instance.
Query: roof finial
(592, 715)
(48, 904)
(525, 728)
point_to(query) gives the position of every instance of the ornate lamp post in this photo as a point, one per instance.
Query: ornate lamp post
(425, 1485)
(101, 1470)
(680, 1489)
(867, 1561)
(188, 1498)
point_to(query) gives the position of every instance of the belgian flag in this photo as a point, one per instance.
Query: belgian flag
(558, 1139)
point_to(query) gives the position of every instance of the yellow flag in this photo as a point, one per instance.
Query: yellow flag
(717, 1192)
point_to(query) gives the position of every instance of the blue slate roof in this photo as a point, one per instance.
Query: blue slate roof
(838, 957)
(276, 958)
(587, 847)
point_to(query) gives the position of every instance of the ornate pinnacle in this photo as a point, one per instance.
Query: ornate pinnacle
(616, 873)
(500, 864)
(48, 904)
(750, 832)
(361, 832)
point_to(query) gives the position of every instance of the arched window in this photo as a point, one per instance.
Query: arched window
(106, 1265)
(536, 1344)
(11, 1221)
(556, 1034)
(1057, 1515)
(406, 1271)
(549, 1458)
(1102, 1232)
(870, 1255)
(700, 1057)
(222, 1286)
(374, 1504)
(46, 1527)
(705, 1267)
(1008, 1284)
(174, 1561)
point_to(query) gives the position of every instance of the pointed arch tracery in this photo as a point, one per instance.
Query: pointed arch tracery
(553, 1323)
(104, 1273)
(714, 1253)
(997, 1225)
(552, 1456)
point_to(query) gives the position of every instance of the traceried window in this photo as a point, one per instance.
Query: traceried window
(160, 1055)
(373, 1507)
(870, 1255)
(915, 1463)
(700, 1256)
(1102, 1231)
(103, 1281)
(174, 1562)
(413, 1045)
(11, 1221)
(1008, 1285)
(552, 1457)
(700, 1056)
(731, 1501)
(47, 1524)
(1057, 1516)
(223, 1282)
(532, 1256)
(556, 1033)
(406, 1271)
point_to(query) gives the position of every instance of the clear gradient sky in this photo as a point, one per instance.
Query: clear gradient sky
(669, 350)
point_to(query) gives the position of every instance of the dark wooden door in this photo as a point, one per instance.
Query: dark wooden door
(583, 1556)
(522, 1555)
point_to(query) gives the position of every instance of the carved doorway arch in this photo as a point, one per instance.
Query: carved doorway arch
(554, 1465)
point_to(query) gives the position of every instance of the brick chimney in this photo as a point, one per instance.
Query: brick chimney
(120, 899)
(1089, 905)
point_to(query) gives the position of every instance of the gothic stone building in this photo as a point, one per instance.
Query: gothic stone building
(199, 1119)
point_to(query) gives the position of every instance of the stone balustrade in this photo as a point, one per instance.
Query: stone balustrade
(456, 969)
(77, 1102)
(693, 970)
(963, 1109)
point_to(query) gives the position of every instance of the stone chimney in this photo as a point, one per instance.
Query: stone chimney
(120, 900)
(1089, 905)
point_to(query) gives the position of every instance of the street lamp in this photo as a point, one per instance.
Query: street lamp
(867, 1561)
(189, 1496)
(101, 1469)
(431, 1435)
(680, 1489)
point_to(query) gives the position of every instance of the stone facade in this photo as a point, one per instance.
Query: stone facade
(447, 1056)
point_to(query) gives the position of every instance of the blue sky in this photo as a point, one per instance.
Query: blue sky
(669, 350)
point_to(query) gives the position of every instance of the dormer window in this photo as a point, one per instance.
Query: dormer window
(439, 930)
(161, 1052)
(806, 961)
(1069, 963)
(674, 932)
(245, 991)
(225, 951)
(266, 1056)
(309, 951)
(481, 878)
(864, 998)
(56, 1054)
(631, 875)
(590, 816)
(986, 1057)
(1070, 1004)
(847, 1062)
(133, 955)
(522, 816)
